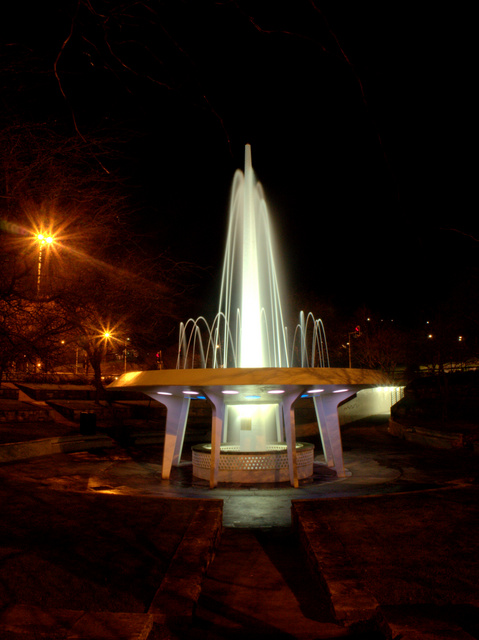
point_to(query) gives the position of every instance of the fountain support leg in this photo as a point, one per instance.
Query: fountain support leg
(176, 417)
(327, 416)
(216, 433)
(290, 434)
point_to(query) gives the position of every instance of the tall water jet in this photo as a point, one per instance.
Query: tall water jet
(250, 294)
(249, 328)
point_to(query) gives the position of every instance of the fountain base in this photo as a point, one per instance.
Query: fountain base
(250, 467)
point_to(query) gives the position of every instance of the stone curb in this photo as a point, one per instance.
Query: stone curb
(17, 411)
(34, 623)
(178, 594)
(12, 451)
(172, 606)
(429, 437)
(47, 446)
(351, 602)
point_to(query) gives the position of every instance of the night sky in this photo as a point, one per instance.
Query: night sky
(359, 119)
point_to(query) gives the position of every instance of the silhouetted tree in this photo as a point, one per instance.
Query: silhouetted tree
(94, 275)
(378, 344)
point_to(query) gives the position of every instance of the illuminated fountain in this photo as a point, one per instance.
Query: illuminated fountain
(249, 370)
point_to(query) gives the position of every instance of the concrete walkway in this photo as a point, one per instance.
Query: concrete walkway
(95, 545)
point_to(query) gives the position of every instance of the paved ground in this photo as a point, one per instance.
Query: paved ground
(98, 533)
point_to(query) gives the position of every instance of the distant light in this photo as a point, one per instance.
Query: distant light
(200, 398)
(276, 391)
(191, 393)
(315, 391)
(460, 338)
(340, 390)
(230, 392)
(164, 393)
(430, 335)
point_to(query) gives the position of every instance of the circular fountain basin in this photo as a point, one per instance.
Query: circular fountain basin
(250, 467)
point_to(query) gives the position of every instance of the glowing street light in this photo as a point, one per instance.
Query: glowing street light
(107, 336)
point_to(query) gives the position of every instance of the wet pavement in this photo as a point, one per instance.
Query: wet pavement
(260, 582)
(376, 464)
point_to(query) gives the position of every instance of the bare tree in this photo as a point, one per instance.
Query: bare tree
(378, 342)
(93, 276)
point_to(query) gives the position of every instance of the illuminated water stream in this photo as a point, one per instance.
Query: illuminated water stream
(249, 328)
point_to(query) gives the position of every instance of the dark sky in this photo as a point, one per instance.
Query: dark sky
(358, 116)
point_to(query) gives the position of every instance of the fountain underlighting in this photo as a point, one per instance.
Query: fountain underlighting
(249, 368)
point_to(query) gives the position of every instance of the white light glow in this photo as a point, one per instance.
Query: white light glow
(191, 393)
(340, 390)
(245, 410)
(315, 391)
(164, 393)
(230, 392)
(276, 391)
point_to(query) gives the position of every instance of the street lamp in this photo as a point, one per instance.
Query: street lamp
(356, 333)
(111, 335)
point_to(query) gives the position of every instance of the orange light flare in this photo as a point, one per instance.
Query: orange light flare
(108, 335)
(63, 245)
(46, 240)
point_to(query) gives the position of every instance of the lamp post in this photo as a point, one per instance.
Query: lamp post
(107, 336)
(42, 240)
(125, 352)
(356, 333)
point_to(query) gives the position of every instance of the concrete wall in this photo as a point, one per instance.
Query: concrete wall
(369, 402)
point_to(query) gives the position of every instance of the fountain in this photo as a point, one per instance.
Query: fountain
(248, 369)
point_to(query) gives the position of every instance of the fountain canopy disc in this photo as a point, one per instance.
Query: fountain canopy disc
(259, 381)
